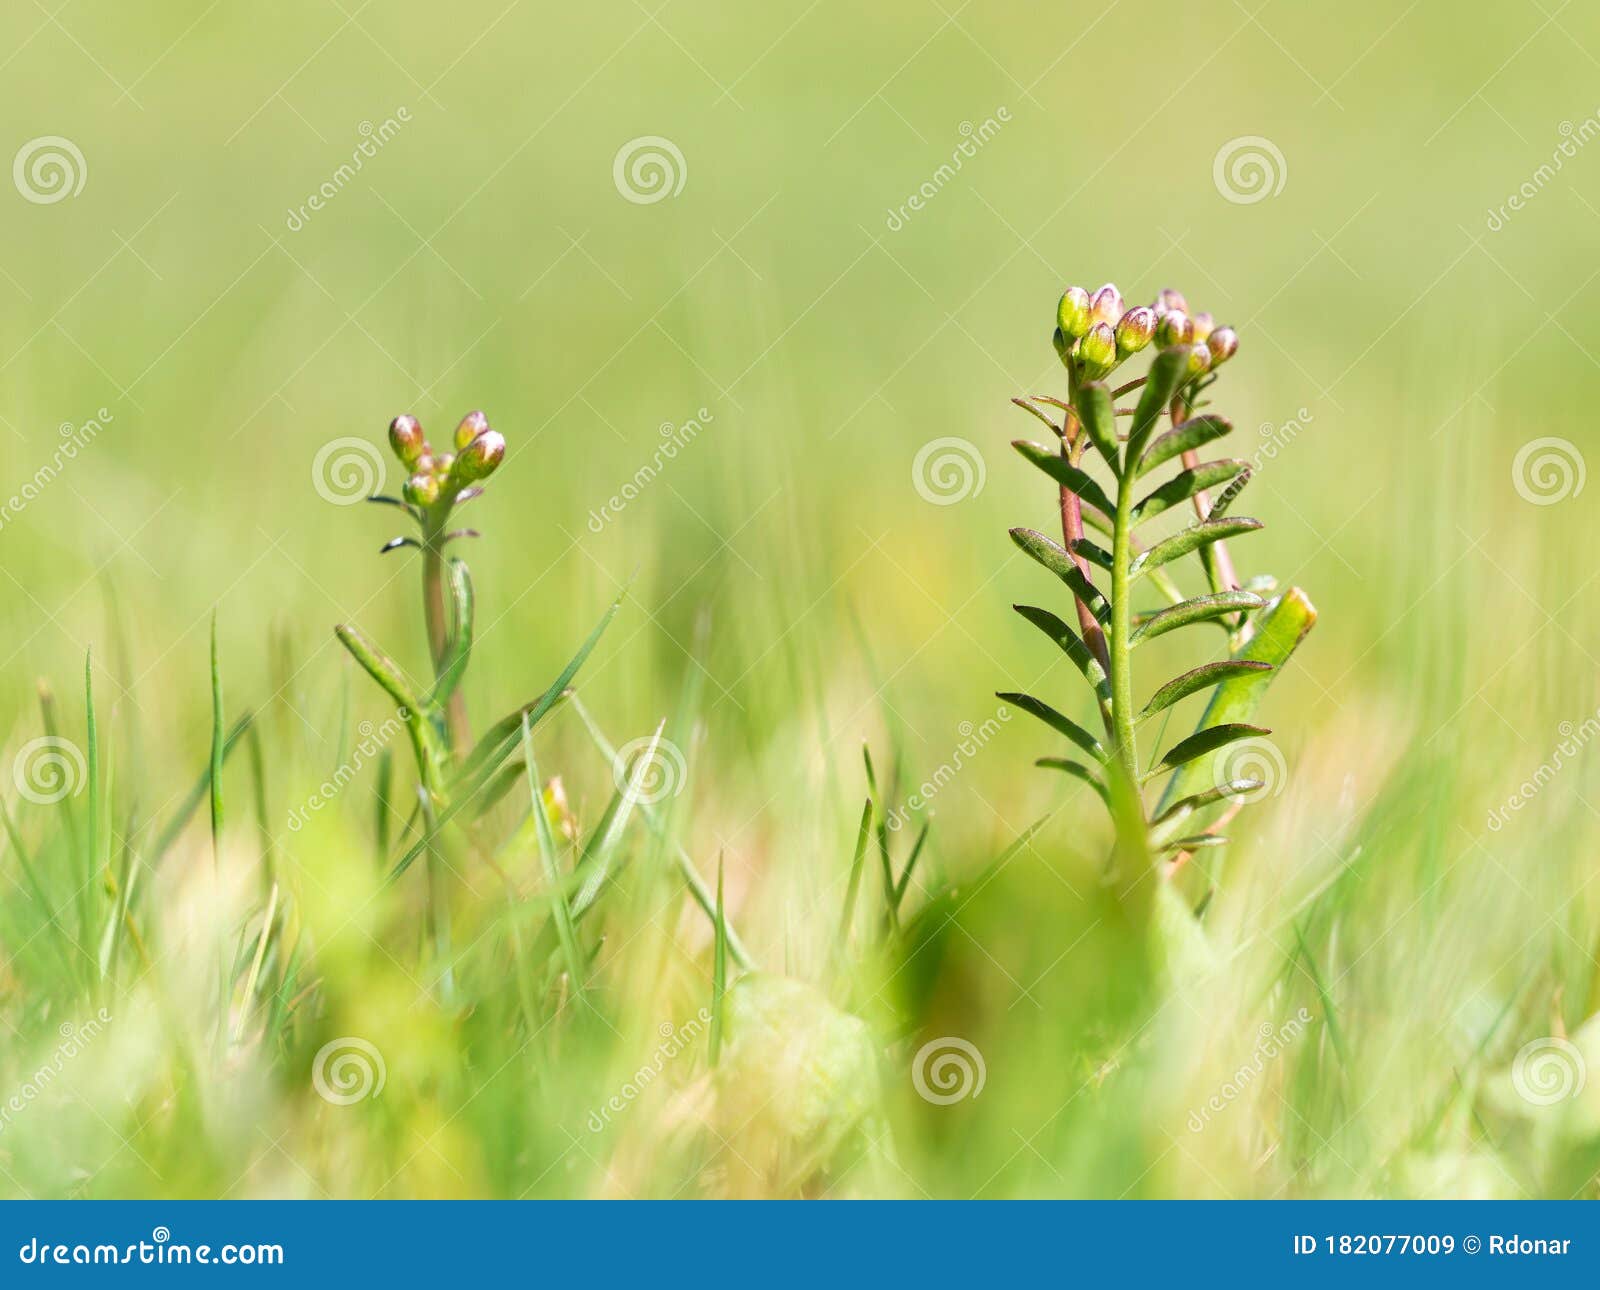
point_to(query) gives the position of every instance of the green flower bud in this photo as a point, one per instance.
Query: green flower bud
(472, 425)
(1223, 344)
(1199, 359)
(424, 464)
(421, 490)
(1175, 328)
(1169, 300)
(1204, 325)
(1098, 350)
(405, 437)
(1136, 330)
(1072, 314)
(1105, 306)
(441, 467)
(480, 458)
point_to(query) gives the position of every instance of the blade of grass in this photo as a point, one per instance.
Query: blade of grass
(559, 912)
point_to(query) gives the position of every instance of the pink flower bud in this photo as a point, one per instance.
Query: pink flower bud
(472, 425)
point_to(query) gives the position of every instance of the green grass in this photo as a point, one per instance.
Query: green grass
(787, 594)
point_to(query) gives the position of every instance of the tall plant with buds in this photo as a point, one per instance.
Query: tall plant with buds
(1095, 334)
(453, 773)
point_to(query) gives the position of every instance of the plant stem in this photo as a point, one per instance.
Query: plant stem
(1120, 662)
(433, 610)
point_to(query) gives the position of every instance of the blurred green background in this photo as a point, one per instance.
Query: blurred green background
(1411, 330)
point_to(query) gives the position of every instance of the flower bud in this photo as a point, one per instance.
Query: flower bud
(1199, 359)
(1072, 314)
(421, 490)
(1136, 330)
(1098, 350)
(424, 464)
(1223, 344)
(1204, 325)
(472, 425)
(441, 467)
(1169, 300)
(405, 437)
(1105, 306)
(480, 458)
(1175, 328)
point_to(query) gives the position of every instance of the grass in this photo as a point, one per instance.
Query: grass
(790, 595)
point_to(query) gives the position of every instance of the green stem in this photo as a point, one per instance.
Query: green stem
(1121, 671)
(434, 615)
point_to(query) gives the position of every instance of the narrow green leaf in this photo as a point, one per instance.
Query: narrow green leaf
(1221, 503)
(1056, 559)
(1095, 410)
(1093, 552)
(1200, 678)
(197, 793)
(487, 760)
(1190, 538)
(458, 652)
(1184, 485)
(1275, 632)
(854, 886)
(559, 913)
(1167, 372)
(1069, 643)
(1199, 842)
(1066, 474)
(381, 668)
(216, 747)
(719, 971)
(1233, 788)
(1078, 771)
(1199, 609)
(1060, 724)
(1204, 741)
(911, 864)
(1183, 438)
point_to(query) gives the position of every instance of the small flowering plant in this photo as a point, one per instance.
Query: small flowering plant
(1095, 334)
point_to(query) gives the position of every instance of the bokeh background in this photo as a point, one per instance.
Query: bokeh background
(798, 580)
